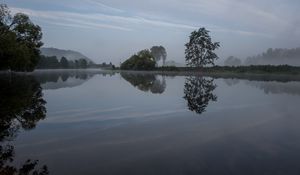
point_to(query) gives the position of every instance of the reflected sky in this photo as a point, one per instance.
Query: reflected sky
(111, 124)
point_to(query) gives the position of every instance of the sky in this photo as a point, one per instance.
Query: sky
(113, 30)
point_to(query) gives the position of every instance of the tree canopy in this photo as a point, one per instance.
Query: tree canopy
(52, 62)
(20, 40)
(159, 52)
(143, 60)
(200, 49)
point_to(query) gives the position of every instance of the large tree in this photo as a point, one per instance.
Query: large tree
(200, 49)
(159, 52)
(20, 40)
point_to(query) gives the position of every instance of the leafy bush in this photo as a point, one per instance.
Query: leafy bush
(143, 60)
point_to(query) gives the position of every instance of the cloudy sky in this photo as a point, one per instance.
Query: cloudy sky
(112, 30)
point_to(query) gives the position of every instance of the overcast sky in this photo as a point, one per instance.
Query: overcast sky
(112, 30)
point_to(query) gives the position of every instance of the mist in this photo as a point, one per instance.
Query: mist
(112, 30)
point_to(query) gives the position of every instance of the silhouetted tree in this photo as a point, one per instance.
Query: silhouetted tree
(20, 41)
(200, 49)
(77, 65)
(64, 62)
(198, 93)
(82, 63)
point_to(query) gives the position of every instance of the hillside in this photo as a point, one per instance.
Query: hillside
(69, 54)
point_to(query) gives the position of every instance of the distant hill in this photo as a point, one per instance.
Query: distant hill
(276, 57)
(69, 54)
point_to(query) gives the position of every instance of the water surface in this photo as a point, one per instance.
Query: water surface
(93, 122)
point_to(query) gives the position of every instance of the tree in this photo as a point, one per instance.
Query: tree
(48, 63)
(143, 60)
(64, 62)
(159, 52)
(82, 63)
(200, 49)
(20, 41)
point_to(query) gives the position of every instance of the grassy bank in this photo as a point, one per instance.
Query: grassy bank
(260, 69)
(282, 73)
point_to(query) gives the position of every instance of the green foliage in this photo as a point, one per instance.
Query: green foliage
(48, 63)
(200, 49)
(20, 41)
(53, 63)
(143, 60)
(168, 68)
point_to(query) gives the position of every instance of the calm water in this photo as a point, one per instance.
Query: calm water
(89, 122)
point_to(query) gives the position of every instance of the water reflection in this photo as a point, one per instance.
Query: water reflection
(292, 88)
(198, 92)
(66, 78)
(21, 107)
(231, 81)
(146, 82)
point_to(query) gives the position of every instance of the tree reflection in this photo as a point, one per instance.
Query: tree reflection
(146, 82)
(21, 107)
(198, 92)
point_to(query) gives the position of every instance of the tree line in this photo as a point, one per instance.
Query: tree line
(199, 52)
(52, 62)
(271, 56)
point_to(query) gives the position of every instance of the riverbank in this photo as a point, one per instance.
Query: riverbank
(265, 73)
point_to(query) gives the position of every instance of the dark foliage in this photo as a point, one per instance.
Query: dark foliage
(20, 41)
(198, 92)
(53, 63)
(200, 49)
(143, 60)
(21, 106)
(146, 82)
